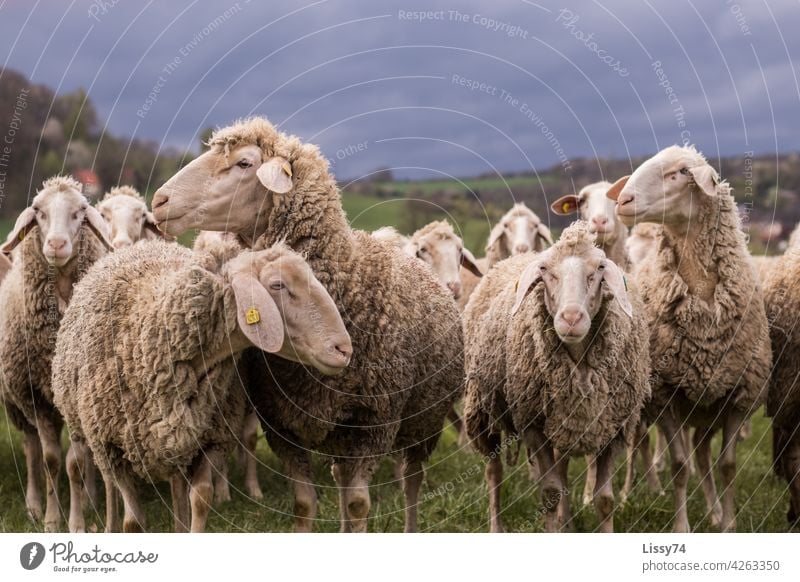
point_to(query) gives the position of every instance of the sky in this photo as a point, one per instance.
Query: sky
(429, 88)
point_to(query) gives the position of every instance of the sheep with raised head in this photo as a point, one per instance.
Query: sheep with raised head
(158, 395)
(54, 242)
(709, 341)
(407, 370)
(128, 217)
(556, 351)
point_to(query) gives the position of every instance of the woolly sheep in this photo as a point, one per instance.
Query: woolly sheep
(57, 239)
(641, 240)
(708, 330)
(390, 235)
(407, 370)
(158, 395)
(128, 218)
(556, 354)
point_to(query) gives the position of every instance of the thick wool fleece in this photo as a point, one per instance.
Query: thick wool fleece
(783, 311)
(124, 374)
(31, 310)
(407, 367)
(123, 191)
(706, 354)
(519, 374)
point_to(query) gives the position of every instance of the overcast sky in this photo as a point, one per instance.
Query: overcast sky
(473, 87)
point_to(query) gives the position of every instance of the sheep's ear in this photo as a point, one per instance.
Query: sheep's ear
(543, 233)
(151, 231)
(565, 205)
(276, 175)
(615, 279)
(706, 178)
(98, 225)
(257, 314)
(469, 263)
(497, 233)
(617, 187)
(530, 276)
(25, 222)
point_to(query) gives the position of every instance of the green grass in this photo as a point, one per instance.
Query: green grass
(453, 495)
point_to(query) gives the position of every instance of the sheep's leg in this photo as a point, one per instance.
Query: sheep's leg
(51, 450)
(791, 461)
(305, 496)
(221, 483)
(591, 479)
(112, 513)
(702, 451)
(179, 487)
(650, 469)
(604, 492)
(455, 419)
(352, 477)
(133, 520)
(250, 440)
(76, 468)
(90, 496)
(727, 468)
(630, 466)
(778, 446)
(494, 483)
(564, 510)
(534, 473)
(413, 475)
(661, 446)
(551, 486)
(686, 434)
(201, 489)
(33, 463)
(680, 469)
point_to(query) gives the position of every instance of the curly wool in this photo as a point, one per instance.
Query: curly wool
(137, 323)
(704, 353)
(30, 316)
(407, 367)
(123, 191)
(519, 373)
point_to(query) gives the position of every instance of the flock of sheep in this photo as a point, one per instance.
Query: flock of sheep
(163, 360)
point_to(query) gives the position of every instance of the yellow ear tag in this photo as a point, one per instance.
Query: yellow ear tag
(252, 316)
(22, 234)
(516, 286)
(565, 207)
(287, 168)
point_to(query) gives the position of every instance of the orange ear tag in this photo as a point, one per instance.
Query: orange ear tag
(252, 316)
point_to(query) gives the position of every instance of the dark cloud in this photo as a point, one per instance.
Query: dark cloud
(574, 79)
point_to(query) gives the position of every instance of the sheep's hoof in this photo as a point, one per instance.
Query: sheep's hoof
(254, 492)
(35, 513)
(587, 500)
(222, 496)
(716, 516)
(132, 526)
(680, 527)
(51, 526)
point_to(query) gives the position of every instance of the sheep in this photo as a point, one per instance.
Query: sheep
(557, 354)
(68, 237)
(783, 399)
(593, 206)
(128, 218)
(158, 396)
(708, 329)
(389, 234)
(518, 231)
(216, 242)
(408, 368)
(5, 266)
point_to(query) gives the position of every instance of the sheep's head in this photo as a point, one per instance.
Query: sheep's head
(59, 209)
(594, 207)
(574, 273)
(127, 216)
(519, 231)
(668, 188)
(438, 246)
(283, 309)
(225, 188)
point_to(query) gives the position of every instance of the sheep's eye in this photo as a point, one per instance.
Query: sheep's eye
(244, 164)
(422, 252)
(75, 215)
(277, 286)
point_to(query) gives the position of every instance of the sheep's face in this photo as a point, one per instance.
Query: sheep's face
(221, 192)
(595, 208)
(128, 220)
(668, 188)
(520, 231)
(313, 331)
(445, 254)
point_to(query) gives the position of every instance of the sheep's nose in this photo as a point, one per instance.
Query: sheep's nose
(600, 220)
(56, 243)
(160, 199)
(121, 243)
(625, 198)
(572, 316)
(455, 288)
(521, 248)
(344, 348)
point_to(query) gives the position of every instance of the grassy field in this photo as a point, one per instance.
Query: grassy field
(453, 496)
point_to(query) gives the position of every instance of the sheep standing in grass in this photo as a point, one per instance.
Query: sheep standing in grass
(158, 395)
(709, 340)
(128, 218)
(557, 354)
(57, 239)
(519, 230)
(407, 369)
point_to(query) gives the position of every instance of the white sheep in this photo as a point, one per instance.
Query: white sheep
(128, 218)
